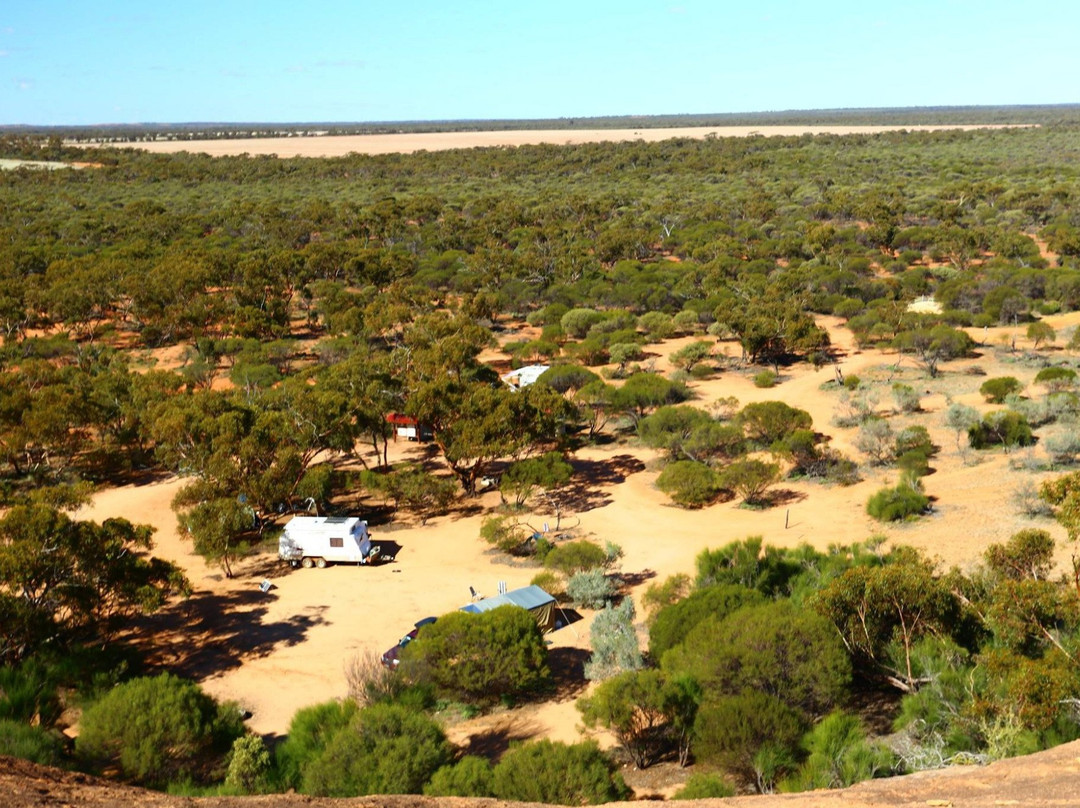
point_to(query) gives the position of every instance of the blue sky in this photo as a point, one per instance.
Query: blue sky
(112, 61)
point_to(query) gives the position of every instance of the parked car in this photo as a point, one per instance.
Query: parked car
(392, 657)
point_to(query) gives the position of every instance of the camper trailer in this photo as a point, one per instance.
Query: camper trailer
(315, 541)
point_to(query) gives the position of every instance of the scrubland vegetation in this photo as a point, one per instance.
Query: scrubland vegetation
(248, 323)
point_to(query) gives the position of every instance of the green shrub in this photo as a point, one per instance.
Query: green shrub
(387, 749)
(28, 692)
(656, 325)
(689, 483)
(1001, 428)
(776, 649)
(565, 378)
(472, 776)
(731, 731)
(1056, 379)
(704, 787)
(575, 556)
(750, 478)
(310, 730)
(902, 501)
(623, 353)
(158, 730)
(765, 378)
(671, 428)
(524, 477)
(674, 622)
(506, 534)
(631, 705)
(914, 439)
(766, 422)
(456, 659)
(687, 321)
(558, 774)
(577, 322)
(914, 463)
(20, 740)
(839, 755)
(995, 390)
(852, 382)
(249, 766)
(549, 582)
(592, 589)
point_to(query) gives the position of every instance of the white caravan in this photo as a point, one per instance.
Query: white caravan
(313, 541)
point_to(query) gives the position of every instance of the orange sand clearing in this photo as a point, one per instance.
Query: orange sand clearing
(277, 652)
(339, 145)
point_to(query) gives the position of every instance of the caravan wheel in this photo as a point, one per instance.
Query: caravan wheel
(320, 563)
(307, 563)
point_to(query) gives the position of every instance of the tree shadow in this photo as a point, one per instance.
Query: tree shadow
(582, 493)
(568, 672)
(209, 633)
(492, 743)
(784, 496)
(632, 579)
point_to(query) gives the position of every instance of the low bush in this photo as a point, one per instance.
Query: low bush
(689, 483)
(575, 556)
(1001, 428)
(558, 774)
(731, 731)
(310, 730)
(674, 622)
(839, 755)
(506, 534)
(549, 582)
(456, 659)
(158, 730)
(249, 766)
(704, 787)
(765, 378)
(902, 501)
(386, 749)
(1056, 379)
(21, 740)
(472, 776)
(995, 390)
(28, 693)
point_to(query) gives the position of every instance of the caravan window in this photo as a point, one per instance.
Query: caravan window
(336, 541)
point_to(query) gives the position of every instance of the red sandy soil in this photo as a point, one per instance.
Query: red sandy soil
(274, 653)
(339, 145)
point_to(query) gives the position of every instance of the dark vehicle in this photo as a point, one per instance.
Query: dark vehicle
(392, 657)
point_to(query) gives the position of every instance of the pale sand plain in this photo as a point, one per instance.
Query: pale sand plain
(277, 652)
(407, 143)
